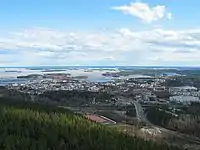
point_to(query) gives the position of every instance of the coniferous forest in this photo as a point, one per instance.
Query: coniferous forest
(30, 126)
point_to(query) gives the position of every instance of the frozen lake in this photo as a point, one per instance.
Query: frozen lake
(9, 75)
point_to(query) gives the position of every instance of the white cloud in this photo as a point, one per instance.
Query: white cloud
(169, 16)
(40, 46)
(145, 12)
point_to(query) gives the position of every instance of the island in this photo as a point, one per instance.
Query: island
(13, 71)
(31, 76)
(53, 70)
(80, 77)
(109, 74)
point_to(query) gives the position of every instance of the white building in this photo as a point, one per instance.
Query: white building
(183, 88)
(184, 99)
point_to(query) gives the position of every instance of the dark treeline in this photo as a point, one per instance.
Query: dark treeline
(158, 117)
(75, 98)
(187, 122)
(68, 98)
(34, 126)
(191, 80)
(131, 112)
(178, 81)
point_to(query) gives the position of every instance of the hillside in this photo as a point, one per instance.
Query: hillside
(32, 126)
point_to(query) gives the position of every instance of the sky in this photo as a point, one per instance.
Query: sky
(104, 32)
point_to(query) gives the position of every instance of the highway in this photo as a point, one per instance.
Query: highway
(142, 117)
(139, 111)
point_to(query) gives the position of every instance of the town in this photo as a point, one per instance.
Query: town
(149, 90)
(128, 102)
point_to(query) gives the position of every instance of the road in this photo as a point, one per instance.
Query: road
(140, 113)
(142, 117)
(139, 110)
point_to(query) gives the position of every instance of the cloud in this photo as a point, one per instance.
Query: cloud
(44, 46)
(145, 12)
(169, 16)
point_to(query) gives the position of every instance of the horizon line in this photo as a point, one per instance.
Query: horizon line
(99, 66)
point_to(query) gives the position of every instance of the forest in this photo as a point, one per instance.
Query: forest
(72, 98)
(188, 80)
(34, 126)
(158, 117)
(75, 98)
(188, 121)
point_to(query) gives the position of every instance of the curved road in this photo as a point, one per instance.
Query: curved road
(142, 117)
